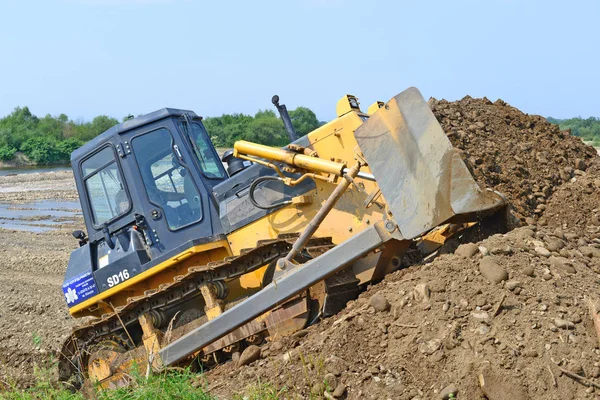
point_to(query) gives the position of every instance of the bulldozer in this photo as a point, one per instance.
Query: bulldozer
(187, 258)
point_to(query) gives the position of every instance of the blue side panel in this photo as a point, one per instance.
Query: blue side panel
(80, 288)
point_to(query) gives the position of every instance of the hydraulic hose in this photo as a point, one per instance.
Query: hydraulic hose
(255, 184)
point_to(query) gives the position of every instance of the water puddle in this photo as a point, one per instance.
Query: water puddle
(38, 216)
(32, 170)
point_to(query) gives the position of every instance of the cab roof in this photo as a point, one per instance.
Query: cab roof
(127, 126)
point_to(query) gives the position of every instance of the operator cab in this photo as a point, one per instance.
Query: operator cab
(145, 191)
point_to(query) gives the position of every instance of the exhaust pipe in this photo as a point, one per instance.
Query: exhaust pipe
(285, 117)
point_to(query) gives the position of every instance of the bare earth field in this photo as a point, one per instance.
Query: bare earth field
(33, 315)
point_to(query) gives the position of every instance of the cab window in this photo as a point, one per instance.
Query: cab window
(167, 182)
(210, 164)
(104, 186)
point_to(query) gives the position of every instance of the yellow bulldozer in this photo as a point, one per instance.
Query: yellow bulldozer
(188, 258)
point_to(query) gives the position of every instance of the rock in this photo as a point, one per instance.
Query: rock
(596, 372)
(289, 355)
(484, 251)
(546, 276)
(492, 271)
(589, 251)
(563, 323)
(339, 391)
(276, 346)
(512, 285)
(580, 164)
(429, 347)
(530, 221)
(542, 251)
(528, 271)
(559, 234)
(505, 250)
(421, 293)
(330, 380)
(437, 356)
(536, 243)
(249, 355)
(526, 232)
(542, 222)
(575, 368)
(467, 250)
(449, 392)
(562, 264)
(235, 357)
(554, 244)
(379, 302)
(480, 315)
(571, 236)
(318, 389)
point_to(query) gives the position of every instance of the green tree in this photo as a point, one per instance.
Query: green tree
(269, 131)
(7, 152)
(66, 147)
(304, 120)
(52, 139)
(588, 129)
(41, 149)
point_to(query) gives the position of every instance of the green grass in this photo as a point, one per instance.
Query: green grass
(169, 386)
(172, 385)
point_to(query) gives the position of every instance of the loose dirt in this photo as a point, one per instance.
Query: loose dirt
(508, 312)
(34, 319)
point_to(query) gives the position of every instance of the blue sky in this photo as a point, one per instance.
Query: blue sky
(115, 57)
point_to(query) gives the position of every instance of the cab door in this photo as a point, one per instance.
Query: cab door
(174, 207)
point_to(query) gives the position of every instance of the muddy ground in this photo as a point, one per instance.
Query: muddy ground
(33, 315)
(506, 317)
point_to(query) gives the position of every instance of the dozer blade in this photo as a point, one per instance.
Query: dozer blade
(280, 290)
(423, 179)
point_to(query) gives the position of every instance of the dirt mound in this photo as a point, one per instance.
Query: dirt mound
(509, 313)
(522, 156)
(575, 204)
(516, 316)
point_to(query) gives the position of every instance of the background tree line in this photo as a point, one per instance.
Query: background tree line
(50, 140)
(588, 129)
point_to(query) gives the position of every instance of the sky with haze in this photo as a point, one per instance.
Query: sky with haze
(118, 57)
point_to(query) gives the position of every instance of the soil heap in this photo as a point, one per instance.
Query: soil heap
(504, 318)
(522, 156)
